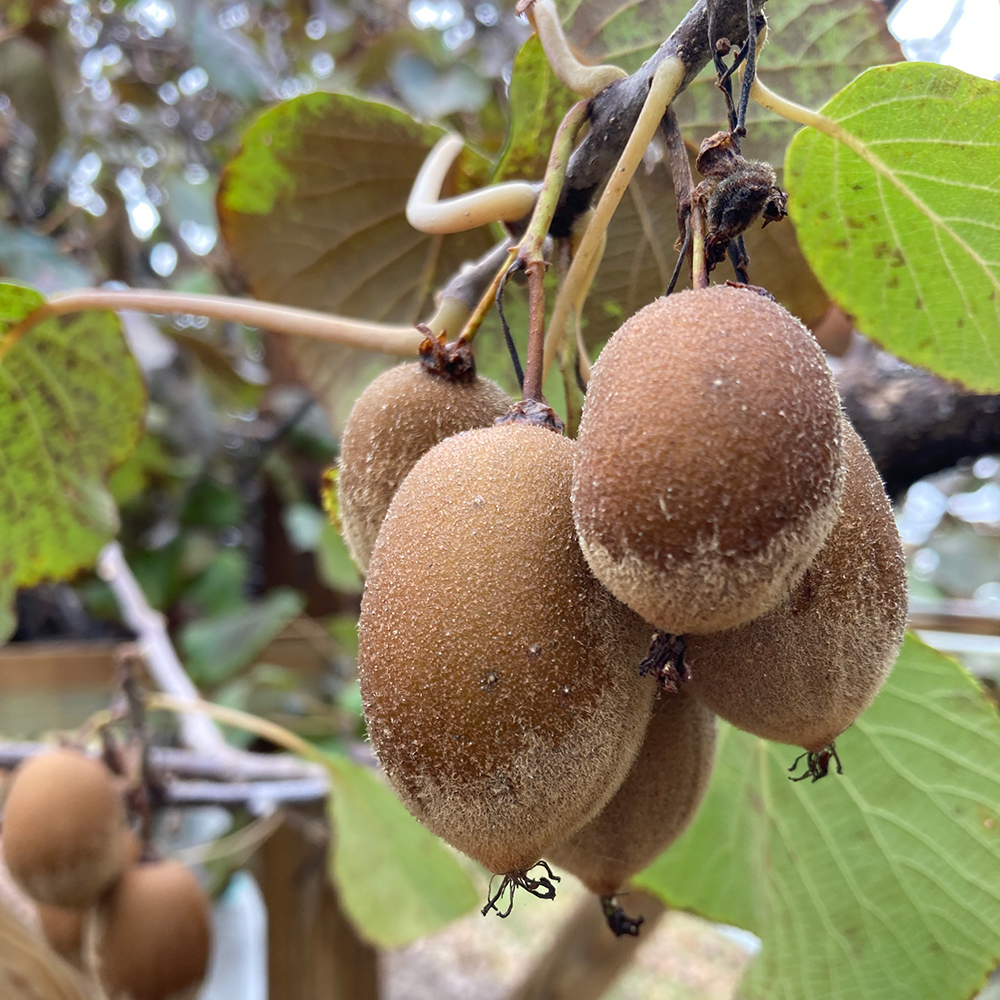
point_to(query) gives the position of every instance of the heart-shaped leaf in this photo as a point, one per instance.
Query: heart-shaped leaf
(880, 882)
(898, 212)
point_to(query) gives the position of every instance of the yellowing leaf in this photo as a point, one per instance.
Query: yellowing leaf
(71, 407)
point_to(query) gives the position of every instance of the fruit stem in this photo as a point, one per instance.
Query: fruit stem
(699, 260)
(485, 304)
(506, 202)
(793, 112)
(666, 82)
(531, 250)
(680, 175)
(264, 728)
(587, 81)
(384, 338)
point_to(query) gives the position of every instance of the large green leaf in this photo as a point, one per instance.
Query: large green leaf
(899, 214)
(313, 209)
(880, 882)
(71, 410)
(396, 879)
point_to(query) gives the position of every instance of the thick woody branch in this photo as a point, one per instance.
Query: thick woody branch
(615, 110)
(914, 423)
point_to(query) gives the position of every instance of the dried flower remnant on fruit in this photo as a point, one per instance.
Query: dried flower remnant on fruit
(477, 574)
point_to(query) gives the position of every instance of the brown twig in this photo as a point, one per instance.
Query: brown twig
(614, 111)
(530, 254)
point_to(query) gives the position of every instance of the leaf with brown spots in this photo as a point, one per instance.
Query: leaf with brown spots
(71, 409)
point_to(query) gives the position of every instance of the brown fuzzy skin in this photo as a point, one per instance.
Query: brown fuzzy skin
(399, 417)
(63, 929)
(155, 934)
(709, 469)
(803, 673)
(655, 803)
(499, 678)
(64, 829)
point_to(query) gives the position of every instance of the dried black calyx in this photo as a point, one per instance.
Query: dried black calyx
(665, 661)
(452, 361)
(540, 887)
(817, 763)
(735, 193)
(621, 924)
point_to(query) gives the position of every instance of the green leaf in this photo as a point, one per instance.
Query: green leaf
(313, 209)
(538, 103)
(396, 879)
(334, 564)
(899, 215)
(8, 616)
(73, 403)
(215, 648)
(880, 882)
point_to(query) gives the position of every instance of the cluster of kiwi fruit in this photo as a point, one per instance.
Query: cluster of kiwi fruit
(717, 522)
(140, 927)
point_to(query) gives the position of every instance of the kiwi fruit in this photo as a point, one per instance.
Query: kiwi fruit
(709, 462)
(499, 678)
(154, 937)
(64, 833)
(655, 803)
(402, 414)
(805, 671)
(62, 927)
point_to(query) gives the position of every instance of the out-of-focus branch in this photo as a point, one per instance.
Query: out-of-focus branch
(914, 423)
(586, 957)
(164, 667)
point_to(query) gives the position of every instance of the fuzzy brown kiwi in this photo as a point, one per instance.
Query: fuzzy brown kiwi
(154, 937)
(400, 416)
(64, 828)
(709, 461)
(498, 676)
(804, 672)
(653, 806)
(63, 929)
(63, 926)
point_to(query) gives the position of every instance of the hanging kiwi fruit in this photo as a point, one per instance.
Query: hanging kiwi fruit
(402, 414)
(651, 809)
(499, 677)
(64, 833)
(709, 463)
(802, 673)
